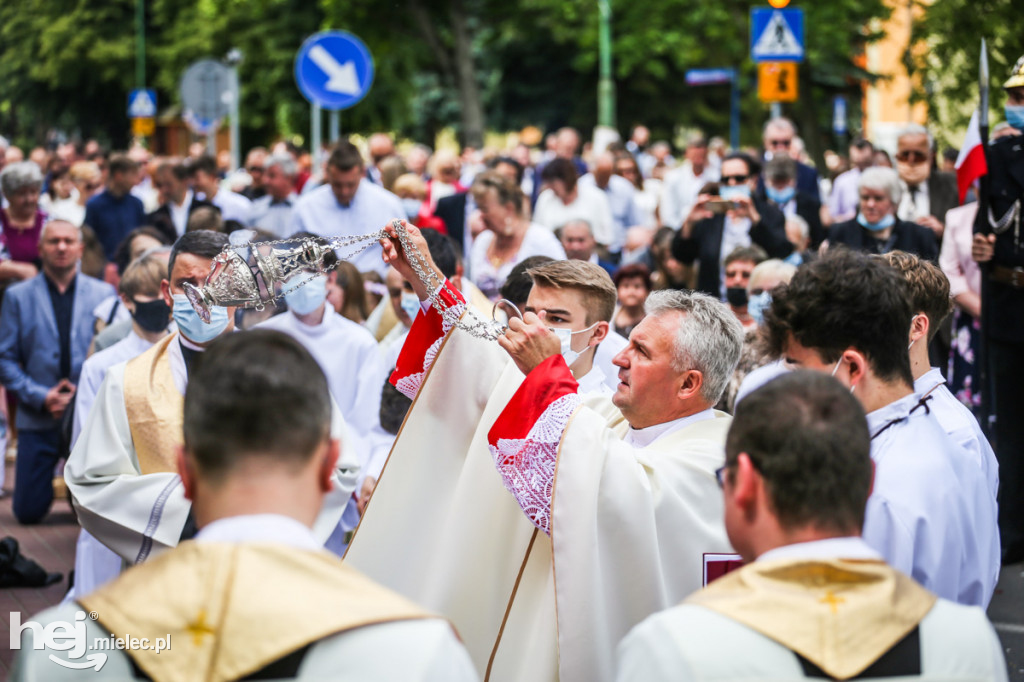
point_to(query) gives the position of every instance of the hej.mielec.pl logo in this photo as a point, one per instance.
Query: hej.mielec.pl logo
(72, 638)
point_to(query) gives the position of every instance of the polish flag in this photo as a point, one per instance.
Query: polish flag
(970, 165)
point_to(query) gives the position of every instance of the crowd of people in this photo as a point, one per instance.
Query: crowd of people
(734, 383)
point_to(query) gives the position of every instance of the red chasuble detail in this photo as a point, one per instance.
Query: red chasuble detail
(424, 341)
(524, 440)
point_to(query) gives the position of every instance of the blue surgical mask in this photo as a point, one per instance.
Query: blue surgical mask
(410, 304)
(412, 207)
(1015, 115)
(565, 337)
(780, 196)
(304, 299)
(192, 326)
(733, 192)
(757, 304)
(888, 221)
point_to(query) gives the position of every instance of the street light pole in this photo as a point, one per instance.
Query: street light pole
(605, 133)
(233, 59)
(140, 44)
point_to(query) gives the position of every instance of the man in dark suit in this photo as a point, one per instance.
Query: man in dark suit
(999, 239)
(779, 134)
(781, 191)
(928, 193)
(174, 182)
(46, 325)
(709, 236)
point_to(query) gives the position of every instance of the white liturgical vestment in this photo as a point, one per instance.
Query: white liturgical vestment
(540, 577)
(139, 514)
(381, 644)
(866, 610)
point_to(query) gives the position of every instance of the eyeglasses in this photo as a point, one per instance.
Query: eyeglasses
(734, 179)
(720, 475)
(780, 143)
(911, 155)
(255, 169)
(745, 274)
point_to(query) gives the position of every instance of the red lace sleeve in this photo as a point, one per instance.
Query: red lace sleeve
(425, 336)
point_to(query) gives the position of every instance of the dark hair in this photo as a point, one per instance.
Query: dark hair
(441, 251)
(781, 167)
(841, 300)
(345, 156)
(560, 169)
(123, 252)
(518, 284)
(861, 143)
(508, 161)
(179, 169)
(928, 286)
(205, 163)
(808, 439)
(632, 271)
(355, 306)
(202, 243)
(252, 394)
(122, 163)
(394, 405)
(753, 167)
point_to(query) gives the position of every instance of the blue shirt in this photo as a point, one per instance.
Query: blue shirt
(112, 218)
(371, 209)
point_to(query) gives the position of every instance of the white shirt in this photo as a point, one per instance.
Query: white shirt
(959, 424)
(606, 352)
(273, 216)
(593, 382)
(232, 206)
(916, 206)
(830, 548)
(591, 205)
(641, 438)
(679, 192)
(370, 210)
(538, 241)
(179, 213)
(759, 377)
(348, 355)
(930, 513)
(275, 528)
(111, 304)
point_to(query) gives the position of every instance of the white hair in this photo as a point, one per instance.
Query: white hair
(915, 129)
(780, 122)
(17, 176)
(772, 269)
(285, 162)
(885, 179)
(709, 338)
(801, 224)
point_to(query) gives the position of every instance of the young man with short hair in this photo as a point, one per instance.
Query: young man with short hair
(930, 514)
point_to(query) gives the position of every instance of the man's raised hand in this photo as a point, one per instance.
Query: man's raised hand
(529, 341)
(395, 256)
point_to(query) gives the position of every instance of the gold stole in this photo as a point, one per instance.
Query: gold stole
(155, 408)
(232, 609)
(840, 614)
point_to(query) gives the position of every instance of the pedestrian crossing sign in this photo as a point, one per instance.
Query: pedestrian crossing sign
(776, 35)
(142, 103)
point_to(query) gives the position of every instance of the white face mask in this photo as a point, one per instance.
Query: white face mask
(565, 336)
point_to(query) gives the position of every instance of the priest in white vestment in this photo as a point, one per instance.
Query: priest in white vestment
(255, 596)
(139, 289)
(121, 472)
(628, 529)
(816, 601)
(931, 514)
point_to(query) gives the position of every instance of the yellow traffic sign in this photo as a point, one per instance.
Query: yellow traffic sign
(143, 127)
(777, 81)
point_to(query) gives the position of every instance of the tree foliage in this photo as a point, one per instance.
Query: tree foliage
(469, 64)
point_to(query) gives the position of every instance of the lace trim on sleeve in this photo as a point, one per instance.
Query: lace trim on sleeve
(527, 465)
(410, 384)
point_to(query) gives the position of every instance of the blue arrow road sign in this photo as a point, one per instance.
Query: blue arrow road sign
(334, 69)
(776, 35)
(142, 104)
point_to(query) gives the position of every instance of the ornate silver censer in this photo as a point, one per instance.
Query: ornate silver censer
(250, 276)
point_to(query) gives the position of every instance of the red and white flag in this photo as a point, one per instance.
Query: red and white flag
(970, 165)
